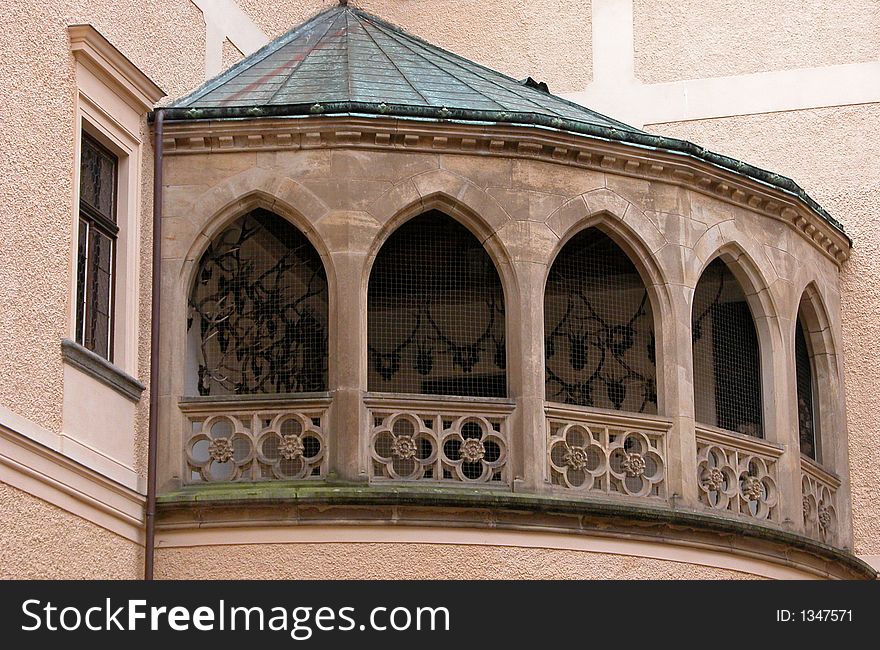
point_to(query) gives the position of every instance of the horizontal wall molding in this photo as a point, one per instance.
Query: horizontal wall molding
(31, 460)
(102, 370)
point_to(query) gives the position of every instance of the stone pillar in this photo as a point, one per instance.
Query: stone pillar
(347, 367)
(779, 379)
(526, 372)
(675, 367)
(530, 246)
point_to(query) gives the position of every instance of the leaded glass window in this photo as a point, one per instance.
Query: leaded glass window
(96, 249)
(598, 328)
(258, 311)
(727, 366)
(806, 404)
(436, 313)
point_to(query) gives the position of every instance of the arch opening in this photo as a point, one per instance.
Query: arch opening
(726, 354)
(600, 346)
(258, 312)
(435, 313)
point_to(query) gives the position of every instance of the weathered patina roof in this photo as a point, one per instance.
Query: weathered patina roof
(345, 55)
(346, 61)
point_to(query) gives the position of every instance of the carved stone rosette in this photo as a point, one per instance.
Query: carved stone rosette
(589, 455)
(738, 475)
(413, 445)
(819, 502)
(256, 445)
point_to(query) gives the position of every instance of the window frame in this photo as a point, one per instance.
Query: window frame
(108, 226)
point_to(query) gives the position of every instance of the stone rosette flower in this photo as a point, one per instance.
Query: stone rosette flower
(634, 464)
(577, 459)
(714, 479)
(291, 447)
(403, 447)
(472, 450)
(752, 488)
(222, 450)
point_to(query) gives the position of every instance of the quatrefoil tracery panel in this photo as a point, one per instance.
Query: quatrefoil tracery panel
(737, 480)
(594, 457)
(819, 505)
(253, 446)
(411, 446)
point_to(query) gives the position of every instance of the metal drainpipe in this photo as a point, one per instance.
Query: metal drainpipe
(152, 454)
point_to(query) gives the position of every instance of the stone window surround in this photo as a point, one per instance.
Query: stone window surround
(259, 188)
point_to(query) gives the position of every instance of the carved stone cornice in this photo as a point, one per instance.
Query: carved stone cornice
(200, 137)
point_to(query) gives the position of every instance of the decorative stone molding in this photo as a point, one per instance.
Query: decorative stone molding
(254, 440)
(439, 440)
(617, 454)
(93, 50)
(736, 473)
(820, 502)
(511, 142)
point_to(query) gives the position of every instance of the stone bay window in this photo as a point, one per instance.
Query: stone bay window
(426, 287)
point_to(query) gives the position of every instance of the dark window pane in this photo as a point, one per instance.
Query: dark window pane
(598, 328)
(98, 300)
(97, 183)
(806, 412)
(259, 310)
(727, 368)
(81, 278)
(436, 313)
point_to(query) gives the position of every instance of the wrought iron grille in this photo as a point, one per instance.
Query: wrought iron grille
(258, 311)
(599, 329)
(436, 313)
(727, 367)
(806, 408)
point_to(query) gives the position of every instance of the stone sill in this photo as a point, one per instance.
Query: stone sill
(100, 369)
(289, 503)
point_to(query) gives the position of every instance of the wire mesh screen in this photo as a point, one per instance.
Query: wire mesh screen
(804, 373)
(436, 313)
(599, 329)
(258, 311)
(727, 367)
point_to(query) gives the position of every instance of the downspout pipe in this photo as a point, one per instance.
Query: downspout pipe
(152, 451)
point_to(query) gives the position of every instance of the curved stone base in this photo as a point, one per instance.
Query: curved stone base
(365, 532)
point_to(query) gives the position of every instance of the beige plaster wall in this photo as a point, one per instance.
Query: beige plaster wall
(166, 41)
(550, 41)
(389, 561)
(694, 39)
(41, 541)
(831, 153)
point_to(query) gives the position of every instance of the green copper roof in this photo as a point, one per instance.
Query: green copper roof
(347, 55)
(345, 61)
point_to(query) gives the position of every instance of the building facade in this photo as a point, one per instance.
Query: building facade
(419, 319)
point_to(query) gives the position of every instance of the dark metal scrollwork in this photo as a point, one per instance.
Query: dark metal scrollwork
(260, 301)
(607, 364)
(429, 339)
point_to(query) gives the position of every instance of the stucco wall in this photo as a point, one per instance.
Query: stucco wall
(550, 41)
(40, 541)
(830, 152)
(388, 561)
(37, 125)
(694, 39)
